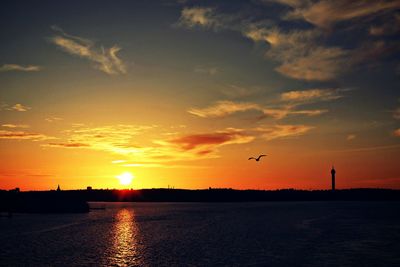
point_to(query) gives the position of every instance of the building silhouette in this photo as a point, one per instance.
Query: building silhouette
(58, 188)
(333, 173)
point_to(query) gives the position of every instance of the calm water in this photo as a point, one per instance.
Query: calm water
(208, 234)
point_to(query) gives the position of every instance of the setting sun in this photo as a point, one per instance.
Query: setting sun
(125, 178)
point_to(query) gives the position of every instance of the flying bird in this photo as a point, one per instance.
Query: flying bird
(257, 159)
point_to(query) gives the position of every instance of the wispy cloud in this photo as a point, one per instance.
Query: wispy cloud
(225, 108)
(53, 119)
(299, 54)
(286, 110)
(283, 131)
(311, 95)
(16, 107)
(16, 67)
(19, 107)
(104, 59)
(68, 145)
(11, 125)
(208, 18)
(199, 16)
(21, 135)
(222, 109)
(310, 112)
(327, 13)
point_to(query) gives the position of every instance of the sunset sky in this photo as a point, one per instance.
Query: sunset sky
(182, 93)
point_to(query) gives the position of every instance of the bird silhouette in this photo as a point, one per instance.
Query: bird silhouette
(258, 158)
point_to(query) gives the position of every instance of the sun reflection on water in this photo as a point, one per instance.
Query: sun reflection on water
(125, 239)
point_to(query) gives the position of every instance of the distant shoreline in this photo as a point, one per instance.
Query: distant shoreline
(209, 195)
(76, 201)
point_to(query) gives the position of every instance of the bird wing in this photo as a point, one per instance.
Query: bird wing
(261, 156)
(251, 158)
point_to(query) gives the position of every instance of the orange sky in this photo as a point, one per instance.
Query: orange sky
(182, 95)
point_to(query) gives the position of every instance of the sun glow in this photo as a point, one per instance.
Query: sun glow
(125, 178)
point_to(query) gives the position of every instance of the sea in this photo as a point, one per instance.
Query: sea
(207, 234)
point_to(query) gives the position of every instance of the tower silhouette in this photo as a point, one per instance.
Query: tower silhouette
(333, 172)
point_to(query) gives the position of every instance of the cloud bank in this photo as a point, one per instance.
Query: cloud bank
(303, 52)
